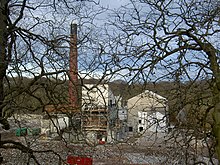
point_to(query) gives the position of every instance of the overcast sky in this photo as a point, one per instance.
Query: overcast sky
(113, 3)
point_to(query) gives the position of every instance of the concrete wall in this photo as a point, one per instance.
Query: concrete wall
(98, 95)
(122, 114)
(54, 124)
(149, 121)
(145, 111)
(146, 101)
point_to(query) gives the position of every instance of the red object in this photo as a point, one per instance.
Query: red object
(101, 142)
(75, 160)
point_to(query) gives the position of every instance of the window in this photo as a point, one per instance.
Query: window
(141, 129)
(130, 129)
(110, 102)
(139, 121)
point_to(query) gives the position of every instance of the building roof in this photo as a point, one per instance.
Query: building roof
(150, 94)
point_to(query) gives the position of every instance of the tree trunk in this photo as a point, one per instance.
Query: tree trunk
(3, 65)
(216, 127)
(211, 52)
(3, 56)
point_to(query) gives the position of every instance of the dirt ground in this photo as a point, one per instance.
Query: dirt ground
(101, 154)
(146, 150)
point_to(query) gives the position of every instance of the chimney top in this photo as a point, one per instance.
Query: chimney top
(74, 22)
(73, 28)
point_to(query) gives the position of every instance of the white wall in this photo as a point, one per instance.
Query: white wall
(142, 117)
(99, 95)
(122, 114)
(52, 124)
(155, 122)
(150, 108)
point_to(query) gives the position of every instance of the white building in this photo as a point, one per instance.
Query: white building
(147, 112)
(99, 112)
(97, 95)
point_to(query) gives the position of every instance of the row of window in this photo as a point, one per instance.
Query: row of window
(130, 129)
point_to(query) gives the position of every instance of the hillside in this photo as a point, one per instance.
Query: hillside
(30, 95)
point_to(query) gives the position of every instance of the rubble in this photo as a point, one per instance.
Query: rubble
(48, 151)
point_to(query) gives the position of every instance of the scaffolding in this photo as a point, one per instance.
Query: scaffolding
(95, 120)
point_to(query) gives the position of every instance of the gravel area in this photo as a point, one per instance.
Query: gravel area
(148, 150)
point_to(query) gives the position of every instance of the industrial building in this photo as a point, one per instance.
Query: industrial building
(147, 112)
(99, 112)
(91, 113)
(95, 115)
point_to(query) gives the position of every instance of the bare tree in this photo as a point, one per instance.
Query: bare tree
(142, 41)
(177, 41)
(34, 52)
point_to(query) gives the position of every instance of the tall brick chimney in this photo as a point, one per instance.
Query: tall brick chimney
(73, 68)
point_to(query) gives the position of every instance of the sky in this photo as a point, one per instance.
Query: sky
(113, 4)
(63, 28)
(27, 22)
